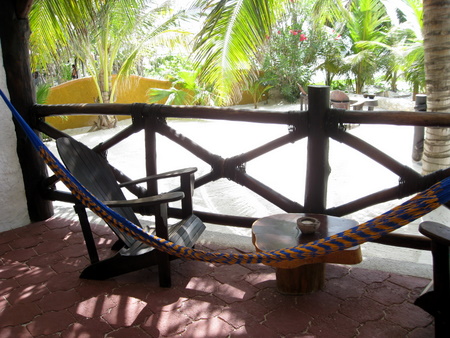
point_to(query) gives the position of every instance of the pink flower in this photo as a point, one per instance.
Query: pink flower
(303, 37)
(279, 32)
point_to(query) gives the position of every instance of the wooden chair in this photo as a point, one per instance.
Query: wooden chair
(436, 297)
(94, 172)
(340, 100)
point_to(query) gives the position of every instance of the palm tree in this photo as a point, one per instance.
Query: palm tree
(367, 27)
(106, 36)
(414, 68)
(409, 48)
(437, 69)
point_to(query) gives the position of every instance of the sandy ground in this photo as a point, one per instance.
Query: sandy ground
(353, 175)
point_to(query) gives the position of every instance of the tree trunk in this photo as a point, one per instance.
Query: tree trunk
(104, 121)
(394, 82)
(436, 23)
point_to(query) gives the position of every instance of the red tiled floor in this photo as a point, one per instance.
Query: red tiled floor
(42, 295)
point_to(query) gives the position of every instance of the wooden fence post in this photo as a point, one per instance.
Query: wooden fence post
(14, 35)
(150, 146)
(318, 168)
(419, 131)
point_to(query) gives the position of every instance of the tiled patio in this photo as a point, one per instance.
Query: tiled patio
(42, 296)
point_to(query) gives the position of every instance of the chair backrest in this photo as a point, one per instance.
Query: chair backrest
(94, 173)
(339, 99)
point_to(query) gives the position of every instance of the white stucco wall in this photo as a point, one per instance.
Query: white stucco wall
(13, 204)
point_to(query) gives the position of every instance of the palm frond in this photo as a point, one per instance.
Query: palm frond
(328, 12)
(228, 43)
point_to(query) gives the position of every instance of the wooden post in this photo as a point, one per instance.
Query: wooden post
(318, 168)
(14, 36)
(150, 147)
(419, 131)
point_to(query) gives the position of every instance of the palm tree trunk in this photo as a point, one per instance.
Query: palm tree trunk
(436, 23)
(436, 153)
(104, 121)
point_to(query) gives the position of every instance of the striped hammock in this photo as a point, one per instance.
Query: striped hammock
(393, 219)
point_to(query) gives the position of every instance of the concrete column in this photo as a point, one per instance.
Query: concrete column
(13, 203)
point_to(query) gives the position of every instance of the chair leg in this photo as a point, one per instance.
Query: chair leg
(119, 244)
(161, 216)
(441, 278)
(87, 232)
(437, 301)
(187, 187)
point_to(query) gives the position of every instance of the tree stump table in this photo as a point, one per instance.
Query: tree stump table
(302, 275)
(371, 104)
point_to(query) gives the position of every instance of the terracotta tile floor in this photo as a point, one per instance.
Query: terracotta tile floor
(42, 296)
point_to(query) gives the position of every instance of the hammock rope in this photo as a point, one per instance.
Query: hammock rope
(414, 208)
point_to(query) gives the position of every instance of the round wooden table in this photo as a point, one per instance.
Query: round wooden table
(302, 275)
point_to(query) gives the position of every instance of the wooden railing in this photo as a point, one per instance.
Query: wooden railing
(319, 124)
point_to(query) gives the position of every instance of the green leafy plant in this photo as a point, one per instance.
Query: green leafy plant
(257, 90)
(185, 90)
(330, 49)
(367, 26)
(287, 60)
(344, 85)
(230, 41)
(167, 66)
(414, 66)
(42, 92)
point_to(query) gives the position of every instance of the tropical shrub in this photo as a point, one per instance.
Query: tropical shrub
(185, 90)
(367, 25)
(286, 62)
(257, 90)
(167, 66)
(42, 92)
(330, 48)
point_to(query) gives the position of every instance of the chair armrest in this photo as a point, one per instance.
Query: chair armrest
(174, 173)
(436, 232)
(147, 201)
